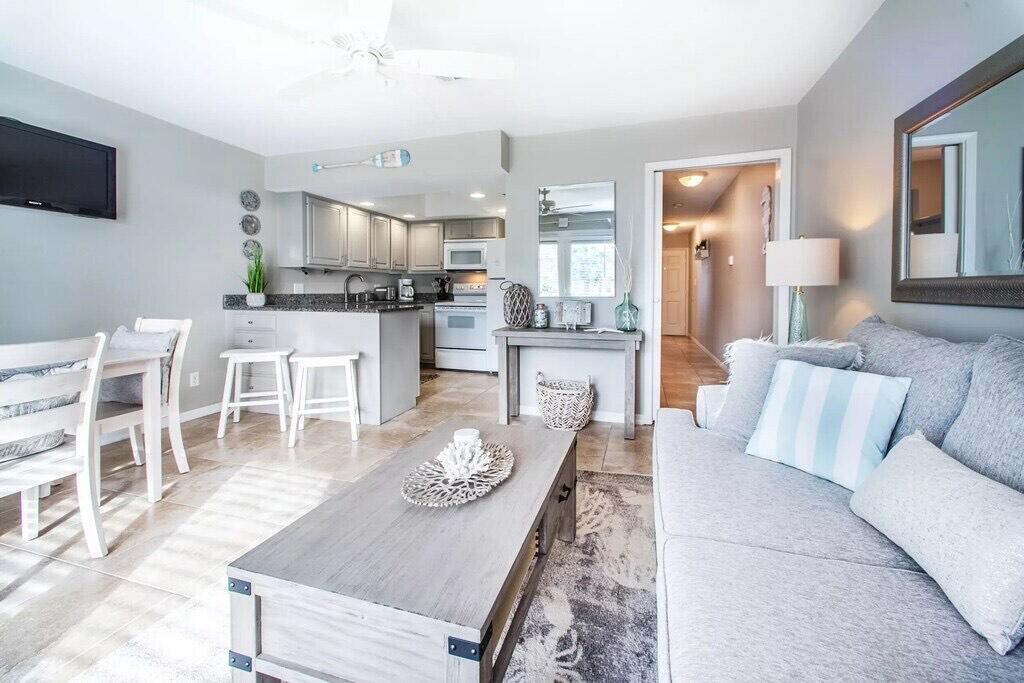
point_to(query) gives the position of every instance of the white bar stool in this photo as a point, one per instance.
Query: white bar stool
(305, 362)
(282, 374)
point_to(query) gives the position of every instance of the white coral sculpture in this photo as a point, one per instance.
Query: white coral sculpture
(463, 460)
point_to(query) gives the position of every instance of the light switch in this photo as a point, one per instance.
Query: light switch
(298, 288)
(731, 261)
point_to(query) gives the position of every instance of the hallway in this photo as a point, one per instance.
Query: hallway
(684, 367)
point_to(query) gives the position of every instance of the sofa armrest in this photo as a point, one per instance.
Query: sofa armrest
(710, 399)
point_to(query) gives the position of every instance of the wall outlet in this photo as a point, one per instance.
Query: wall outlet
(193, 379)
(298, 288)
(731, 261)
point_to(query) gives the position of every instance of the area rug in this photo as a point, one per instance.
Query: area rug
(594, 617)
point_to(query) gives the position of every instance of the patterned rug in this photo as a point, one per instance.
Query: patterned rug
(594, 617)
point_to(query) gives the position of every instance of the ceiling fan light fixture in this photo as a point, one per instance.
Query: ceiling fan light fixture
(477, 195)
(670, 227)
(692, 179)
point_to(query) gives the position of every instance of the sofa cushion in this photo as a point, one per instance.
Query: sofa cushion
(940, 370)
(736, 613)
(988, 436)
(707, 487)
(751, 364)
(834, 424)
(964, 529)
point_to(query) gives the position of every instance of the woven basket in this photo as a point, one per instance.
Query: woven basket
(564, 404)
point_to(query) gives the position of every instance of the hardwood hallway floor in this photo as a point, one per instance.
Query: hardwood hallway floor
(684, 367)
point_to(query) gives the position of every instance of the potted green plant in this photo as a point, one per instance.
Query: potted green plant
(256, 280)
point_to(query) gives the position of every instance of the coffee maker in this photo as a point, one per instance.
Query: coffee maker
(406, 291)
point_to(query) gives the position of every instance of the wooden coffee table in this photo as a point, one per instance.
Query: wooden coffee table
(368, 587)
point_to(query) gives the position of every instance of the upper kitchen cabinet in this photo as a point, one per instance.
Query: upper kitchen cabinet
(399, 241)
(474, 229)
(312, 232)
(426, 245)
(380, 240)
(360, 239)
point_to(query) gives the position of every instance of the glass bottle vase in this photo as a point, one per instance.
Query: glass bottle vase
(626, 314)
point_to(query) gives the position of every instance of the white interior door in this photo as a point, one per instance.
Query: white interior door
(674, 299)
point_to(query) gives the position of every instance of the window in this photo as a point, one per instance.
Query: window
(548, 269)
(592, 269)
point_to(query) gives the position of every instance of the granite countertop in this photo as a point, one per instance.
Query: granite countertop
(327, 303)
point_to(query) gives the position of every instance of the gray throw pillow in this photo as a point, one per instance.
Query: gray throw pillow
(128, 389)
(31, 445)
(940, 370)
(964, 529)
(751, 366)
(988, 436)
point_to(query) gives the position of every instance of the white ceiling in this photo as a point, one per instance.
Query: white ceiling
(580, 63)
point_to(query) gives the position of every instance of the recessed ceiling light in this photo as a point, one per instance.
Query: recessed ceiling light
(670, 227)
(366, 204)
(477, 195)
(692, 179)
(502, 210)
(408, 215)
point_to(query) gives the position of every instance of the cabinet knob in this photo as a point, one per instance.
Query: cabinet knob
(250, 322)
(250, 341)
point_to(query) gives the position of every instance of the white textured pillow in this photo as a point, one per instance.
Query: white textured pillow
(964, 529)
(128, 389)
(834, 424)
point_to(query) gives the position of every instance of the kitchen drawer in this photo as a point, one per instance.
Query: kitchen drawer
(253, 339)
(243, 322)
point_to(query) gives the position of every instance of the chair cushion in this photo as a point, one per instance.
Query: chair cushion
(834, 424)
(751, 364)
(988, 436)
(940, 370)
(707, 487)
(737, 613)
(41, 442)
(128, 389)
(964, 529)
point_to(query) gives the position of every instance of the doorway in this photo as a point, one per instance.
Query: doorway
(710, 219)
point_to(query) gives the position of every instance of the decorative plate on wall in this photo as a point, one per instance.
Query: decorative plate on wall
(251, 247)
(250, 200)
(250, 224)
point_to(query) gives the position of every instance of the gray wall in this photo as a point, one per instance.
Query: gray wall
(617, 154)
(906, 51)
(173, 251)
(732, 302)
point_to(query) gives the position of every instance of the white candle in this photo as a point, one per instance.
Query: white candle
(466, 435)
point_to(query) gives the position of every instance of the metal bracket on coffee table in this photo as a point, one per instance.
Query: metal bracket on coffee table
(239, 586)
(468, 649)
(237, 661)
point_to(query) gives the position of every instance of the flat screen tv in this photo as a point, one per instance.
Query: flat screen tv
(42, 169)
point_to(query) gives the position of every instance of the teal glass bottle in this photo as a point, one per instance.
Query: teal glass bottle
(627, 316)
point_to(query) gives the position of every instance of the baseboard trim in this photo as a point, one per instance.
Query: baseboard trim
(709, 354)
(187, 416)
(615, 417)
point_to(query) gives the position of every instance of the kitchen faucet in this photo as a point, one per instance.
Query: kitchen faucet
(348, 280)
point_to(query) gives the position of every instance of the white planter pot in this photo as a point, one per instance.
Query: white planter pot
(255, 300)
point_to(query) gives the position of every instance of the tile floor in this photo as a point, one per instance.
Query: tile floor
(684, 367)
(65, 615)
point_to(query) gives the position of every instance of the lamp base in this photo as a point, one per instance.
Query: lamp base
(797, 316)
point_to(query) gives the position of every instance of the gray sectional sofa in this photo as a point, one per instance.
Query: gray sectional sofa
(764, 573)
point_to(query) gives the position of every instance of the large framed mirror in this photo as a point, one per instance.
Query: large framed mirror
(576, 241)
(958, 219)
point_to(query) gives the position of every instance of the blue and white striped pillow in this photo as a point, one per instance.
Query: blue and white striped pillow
(834, 424)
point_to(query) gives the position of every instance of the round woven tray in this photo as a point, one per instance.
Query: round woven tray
(426, 485)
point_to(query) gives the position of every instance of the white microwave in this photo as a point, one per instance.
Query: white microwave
(465, 255)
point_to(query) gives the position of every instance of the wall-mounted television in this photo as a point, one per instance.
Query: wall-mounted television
(43, 169)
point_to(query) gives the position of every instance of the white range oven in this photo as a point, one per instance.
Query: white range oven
(460, 329)
(464, 255)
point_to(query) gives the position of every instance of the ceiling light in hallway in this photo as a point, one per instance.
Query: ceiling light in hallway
(477, 195)
(670, 227)
(692, 179)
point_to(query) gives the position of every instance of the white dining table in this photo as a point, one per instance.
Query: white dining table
(121, 362)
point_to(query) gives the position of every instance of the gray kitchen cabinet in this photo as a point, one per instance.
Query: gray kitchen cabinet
(380, 228)
(458, 230)
(399, 248)
(487, 228)
(325, 233)
(427, 334)
(360, 254)
(426, 246)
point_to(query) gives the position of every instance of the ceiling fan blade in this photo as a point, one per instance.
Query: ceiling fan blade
(314, 84)
(370, 17)
(455, 64)
(571, 206)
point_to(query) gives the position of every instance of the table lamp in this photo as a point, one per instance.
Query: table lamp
(801, 263)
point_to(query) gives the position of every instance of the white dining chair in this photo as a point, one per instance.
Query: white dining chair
(113, 416)
(29, 474)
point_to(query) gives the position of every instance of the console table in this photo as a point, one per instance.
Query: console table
(510, 339)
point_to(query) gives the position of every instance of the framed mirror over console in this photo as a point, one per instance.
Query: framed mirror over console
(958, 219)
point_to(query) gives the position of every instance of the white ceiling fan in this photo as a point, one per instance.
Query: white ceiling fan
(361, 42)
(548, 207)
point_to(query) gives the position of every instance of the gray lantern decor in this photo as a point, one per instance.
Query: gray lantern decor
(518, 304)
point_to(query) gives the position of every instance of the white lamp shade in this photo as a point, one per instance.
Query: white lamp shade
(802, 263)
